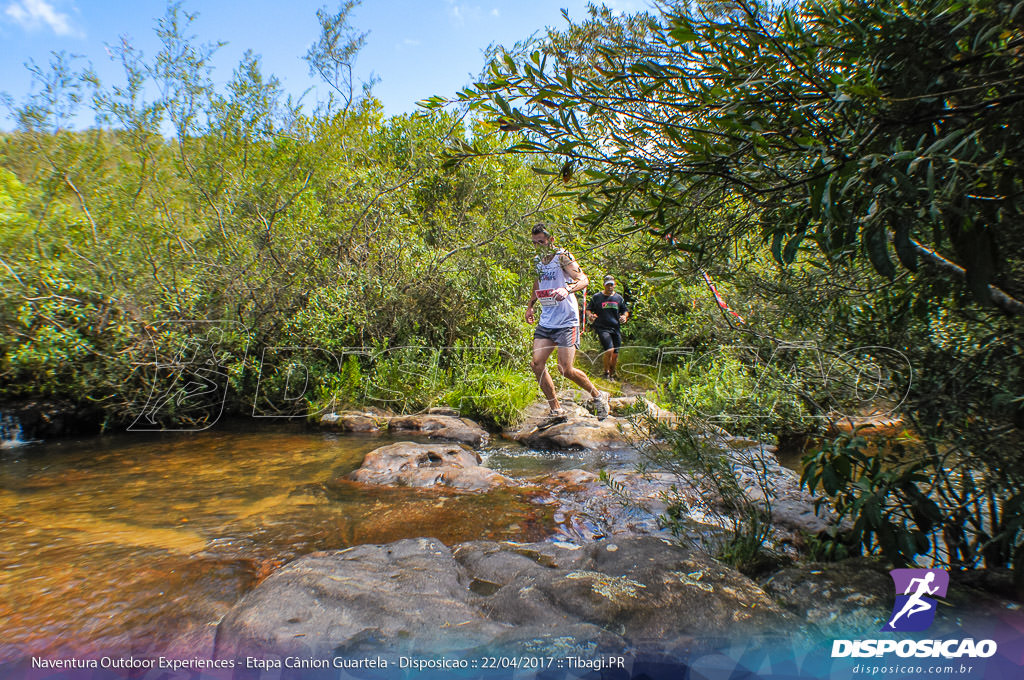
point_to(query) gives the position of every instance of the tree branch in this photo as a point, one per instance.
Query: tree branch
(997, 296)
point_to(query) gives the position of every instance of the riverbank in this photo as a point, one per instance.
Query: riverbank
(196, 535)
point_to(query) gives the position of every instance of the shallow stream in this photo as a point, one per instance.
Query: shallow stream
(137, 543)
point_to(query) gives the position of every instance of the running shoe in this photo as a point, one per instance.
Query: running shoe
(600, 403)
(554, 417)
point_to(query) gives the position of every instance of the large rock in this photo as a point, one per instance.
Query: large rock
(427, 465)
(836, 598)
(580, 430)
(639, 587)
(417, 595)
(356, 421)
(407, 594)
(438, 426)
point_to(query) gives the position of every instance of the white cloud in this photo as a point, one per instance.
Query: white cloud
(460, 12)
(495, 12)
(34, 14)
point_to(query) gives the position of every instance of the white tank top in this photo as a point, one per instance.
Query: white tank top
(555, 314)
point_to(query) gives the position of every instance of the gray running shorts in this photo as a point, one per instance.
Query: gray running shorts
(562, 337)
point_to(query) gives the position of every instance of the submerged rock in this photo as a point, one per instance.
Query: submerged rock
(628, 503)
(427, 465)
(417, 595)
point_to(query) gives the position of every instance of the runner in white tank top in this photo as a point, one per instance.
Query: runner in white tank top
(559, 277)
(550, 277)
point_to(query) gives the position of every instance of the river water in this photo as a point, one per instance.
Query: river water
(139, 543)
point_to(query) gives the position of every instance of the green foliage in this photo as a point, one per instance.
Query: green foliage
(884, 494)
(839, 126)
(327, 233)
(828, 547)
(705, 465)
(334, 53)
(744, 399)
(405, 379)
(492, 391)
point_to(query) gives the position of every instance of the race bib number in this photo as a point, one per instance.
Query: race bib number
(546, 297)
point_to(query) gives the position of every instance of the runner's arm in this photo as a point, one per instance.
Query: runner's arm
(573, 271)
(529, 305)
(592, 309)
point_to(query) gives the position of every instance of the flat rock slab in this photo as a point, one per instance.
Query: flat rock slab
(351, 421)
(440, 427)
(441, 424)
(589, 508)
(580, 430)
(427, 465)
(417, 595)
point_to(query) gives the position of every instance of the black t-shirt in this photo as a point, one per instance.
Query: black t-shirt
(608, 309)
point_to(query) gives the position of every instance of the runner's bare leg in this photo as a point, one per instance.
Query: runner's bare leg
(542, 349)
(566, 356)
(608, 363)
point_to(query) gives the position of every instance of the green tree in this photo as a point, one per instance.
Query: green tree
(874, 147)
(190, 202)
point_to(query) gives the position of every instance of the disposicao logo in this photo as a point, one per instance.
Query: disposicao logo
(913, 611)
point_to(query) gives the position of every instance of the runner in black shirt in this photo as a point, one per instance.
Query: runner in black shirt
(607, 311)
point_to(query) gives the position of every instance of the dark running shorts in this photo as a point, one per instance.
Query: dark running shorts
(610, 339)
(562, 337)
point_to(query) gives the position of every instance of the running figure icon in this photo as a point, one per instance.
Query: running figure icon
(915, 604)
(914, 609)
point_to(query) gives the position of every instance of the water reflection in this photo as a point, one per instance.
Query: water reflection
(140, 543)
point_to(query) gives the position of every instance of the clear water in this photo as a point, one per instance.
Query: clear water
(139, 543)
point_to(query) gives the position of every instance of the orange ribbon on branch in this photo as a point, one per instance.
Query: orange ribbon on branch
(718, 298)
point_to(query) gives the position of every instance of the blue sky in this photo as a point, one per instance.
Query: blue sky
(417, 48)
